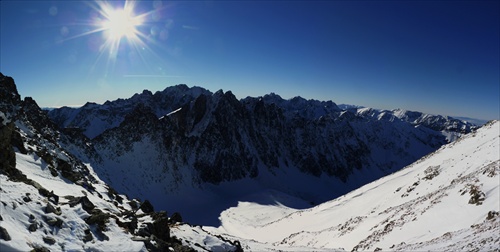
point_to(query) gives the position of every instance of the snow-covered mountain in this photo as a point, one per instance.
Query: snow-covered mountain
(51, 201)
(448, 200)
(250, 168)
(185, 142)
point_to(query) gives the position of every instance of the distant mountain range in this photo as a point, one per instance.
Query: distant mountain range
(179, 142)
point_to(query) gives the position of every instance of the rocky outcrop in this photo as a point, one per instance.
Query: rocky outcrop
(10, 103)
(4, 234)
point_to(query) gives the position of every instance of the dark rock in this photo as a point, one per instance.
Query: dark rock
(477, 196)
(53, 197)
(50, 208)
(176, 217)
(67, 171)
(55, 222)
(26, 199)
(37, 117)
(145, 230)
(7, 155)
(33, 227)
(88, 236)
(87, 205)
(10, 102)
(40, 249)
(146, 207)
(160, 226)
(133, 224)
(98, 217)
(44, 192)
(49, 240)
(492, 214)
(237, 244)
(133, 204)
(4, 234)
(1, 218)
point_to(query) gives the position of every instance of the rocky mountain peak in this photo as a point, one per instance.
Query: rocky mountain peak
(38, 117)
(10, 100)
(10, 103)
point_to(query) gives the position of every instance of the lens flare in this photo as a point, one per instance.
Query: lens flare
(123, 30)
(120, 23)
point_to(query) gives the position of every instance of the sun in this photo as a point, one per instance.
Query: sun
(120, 23)
(123, 28)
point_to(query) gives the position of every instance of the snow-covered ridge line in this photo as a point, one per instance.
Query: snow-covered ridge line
(95, 118)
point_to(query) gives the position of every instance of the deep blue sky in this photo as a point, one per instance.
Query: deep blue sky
(429, 56)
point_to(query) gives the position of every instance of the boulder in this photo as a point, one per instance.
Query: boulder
(49, 240)
(88, 236)
(33, 227)
(4, 234)
(50, 208)
(55, 222)
(87, 205)
(146, 207)
(160, 226)
(145, 230)
(176, 217)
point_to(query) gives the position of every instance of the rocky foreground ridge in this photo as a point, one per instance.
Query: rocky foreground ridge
(51, 201)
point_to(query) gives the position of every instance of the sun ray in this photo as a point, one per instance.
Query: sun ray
(122, 30)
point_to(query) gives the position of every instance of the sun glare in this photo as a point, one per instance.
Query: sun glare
(120, 23)
(123, 29)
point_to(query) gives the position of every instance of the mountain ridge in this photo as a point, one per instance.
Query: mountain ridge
(184, 139)
(64, 116)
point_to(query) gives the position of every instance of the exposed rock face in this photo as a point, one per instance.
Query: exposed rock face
(4, 234)
(10, 103)
(94, 119)
(146, 207)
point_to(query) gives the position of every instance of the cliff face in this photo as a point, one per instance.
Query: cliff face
(10, 103)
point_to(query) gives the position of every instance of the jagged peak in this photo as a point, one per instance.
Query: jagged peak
(10, 100)
(89, 105)
(147, 92)
(31, 102)
(181, 87)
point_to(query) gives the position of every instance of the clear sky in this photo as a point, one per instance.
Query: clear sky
(430, 56)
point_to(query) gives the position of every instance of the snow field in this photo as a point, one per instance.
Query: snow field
(409, 206)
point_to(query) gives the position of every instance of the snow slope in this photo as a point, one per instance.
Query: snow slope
(19, 201)
(15, 212)
(448, 200)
